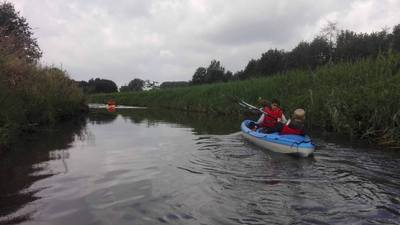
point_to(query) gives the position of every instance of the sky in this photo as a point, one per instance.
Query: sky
(167, 40)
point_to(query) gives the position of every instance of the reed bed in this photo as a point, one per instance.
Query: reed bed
(32, 96)
(360, 99)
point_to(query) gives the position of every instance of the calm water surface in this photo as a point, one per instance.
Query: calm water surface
(139, 166)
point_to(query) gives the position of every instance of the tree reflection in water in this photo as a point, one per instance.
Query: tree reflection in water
(26, 164)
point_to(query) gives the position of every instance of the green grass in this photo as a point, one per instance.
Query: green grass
(359, 99)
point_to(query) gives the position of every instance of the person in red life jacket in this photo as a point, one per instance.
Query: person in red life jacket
(273, 119)
(296, 124)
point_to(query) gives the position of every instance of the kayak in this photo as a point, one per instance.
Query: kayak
(288, 144)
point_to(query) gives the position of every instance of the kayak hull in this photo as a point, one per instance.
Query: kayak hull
(287, 144)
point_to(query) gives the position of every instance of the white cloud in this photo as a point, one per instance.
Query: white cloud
(168, 39)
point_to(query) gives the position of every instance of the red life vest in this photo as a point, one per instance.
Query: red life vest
(287, 130)
(272, 116)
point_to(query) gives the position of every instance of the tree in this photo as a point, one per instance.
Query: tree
(271, 62)
(330, 32)
(199, 77)
(102, 85)
(396, 38)
(250, 69)
(173, 84)
(97, 86)
(215, 72)
(14, 27)
(300, 56)
(134, 85)
(320, 52)
(228, 76)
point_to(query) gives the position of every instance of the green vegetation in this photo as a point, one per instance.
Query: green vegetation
(331, 46)
(173, 84)
(356, 98)
(30, 95)
(134, 85)
(97, 85)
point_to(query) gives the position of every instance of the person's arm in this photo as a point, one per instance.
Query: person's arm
(261, 119)
(283, 118)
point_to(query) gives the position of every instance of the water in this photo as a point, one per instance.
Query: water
(140, 166)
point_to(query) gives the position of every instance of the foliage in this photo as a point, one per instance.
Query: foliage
(14, 26)
(330, 47)
(356, 98)
(199, 77)
(173, 84)
(214, 73)
(396, 38)
(134, 85)
(98, 86)
(31, 95)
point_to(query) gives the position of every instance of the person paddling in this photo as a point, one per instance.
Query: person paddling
(273, 119)
(295, 125)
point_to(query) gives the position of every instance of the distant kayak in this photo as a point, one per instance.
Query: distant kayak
(288, 144)
(104, 106)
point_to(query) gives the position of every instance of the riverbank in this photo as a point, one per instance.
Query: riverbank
(358, 99)
(34, 98)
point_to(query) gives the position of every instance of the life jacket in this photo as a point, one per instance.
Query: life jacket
(271, 117)
(288, 130)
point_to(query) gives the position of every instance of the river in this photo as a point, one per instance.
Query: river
(142, 166)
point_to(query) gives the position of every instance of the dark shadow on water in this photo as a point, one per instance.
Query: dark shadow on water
(24, 165)
(101, 116)
(200, 123)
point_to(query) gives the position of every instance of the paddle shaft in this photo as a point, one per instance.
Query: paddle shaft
(247, 105)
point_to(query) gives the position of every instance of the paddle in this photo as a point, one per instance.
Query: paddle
(248, 106)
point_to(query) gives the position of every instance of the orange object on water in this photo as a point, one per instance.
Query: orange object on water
(111, 102)
(111, 108)
(111, 105)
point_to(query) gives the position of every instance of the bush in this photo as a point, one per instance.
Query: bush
(31, 96)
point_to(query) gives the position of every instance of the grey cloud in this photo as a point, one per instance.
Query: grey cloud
(168, 39)
(269, 22)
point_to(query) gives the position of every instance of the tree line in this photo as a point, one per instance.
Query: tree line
(331, 46)
(98, 85)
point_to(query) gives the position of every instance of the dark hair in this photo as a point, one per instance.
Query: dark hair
(276, 101)
(264, 103)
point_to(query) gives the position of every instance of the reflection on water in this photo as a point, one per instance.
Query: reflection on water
(199, 122)
(27, 164)
(142, 166)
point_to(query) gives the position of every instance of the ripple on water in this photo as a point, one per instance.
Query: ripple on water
(184, 178)
(338, 185)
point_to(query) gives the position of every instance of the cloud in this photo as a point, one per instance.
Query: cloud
(168, 39)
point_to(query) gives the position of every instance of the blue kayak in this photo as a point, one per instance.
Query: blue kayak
(289, 144)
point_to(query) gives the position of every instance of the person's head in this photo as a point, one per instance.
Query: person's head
(299, 115)
(264, 103)
(274, 103)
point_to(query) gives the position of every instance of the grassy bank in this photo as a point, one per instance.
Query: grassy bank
(32, 96)
(359, 99)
